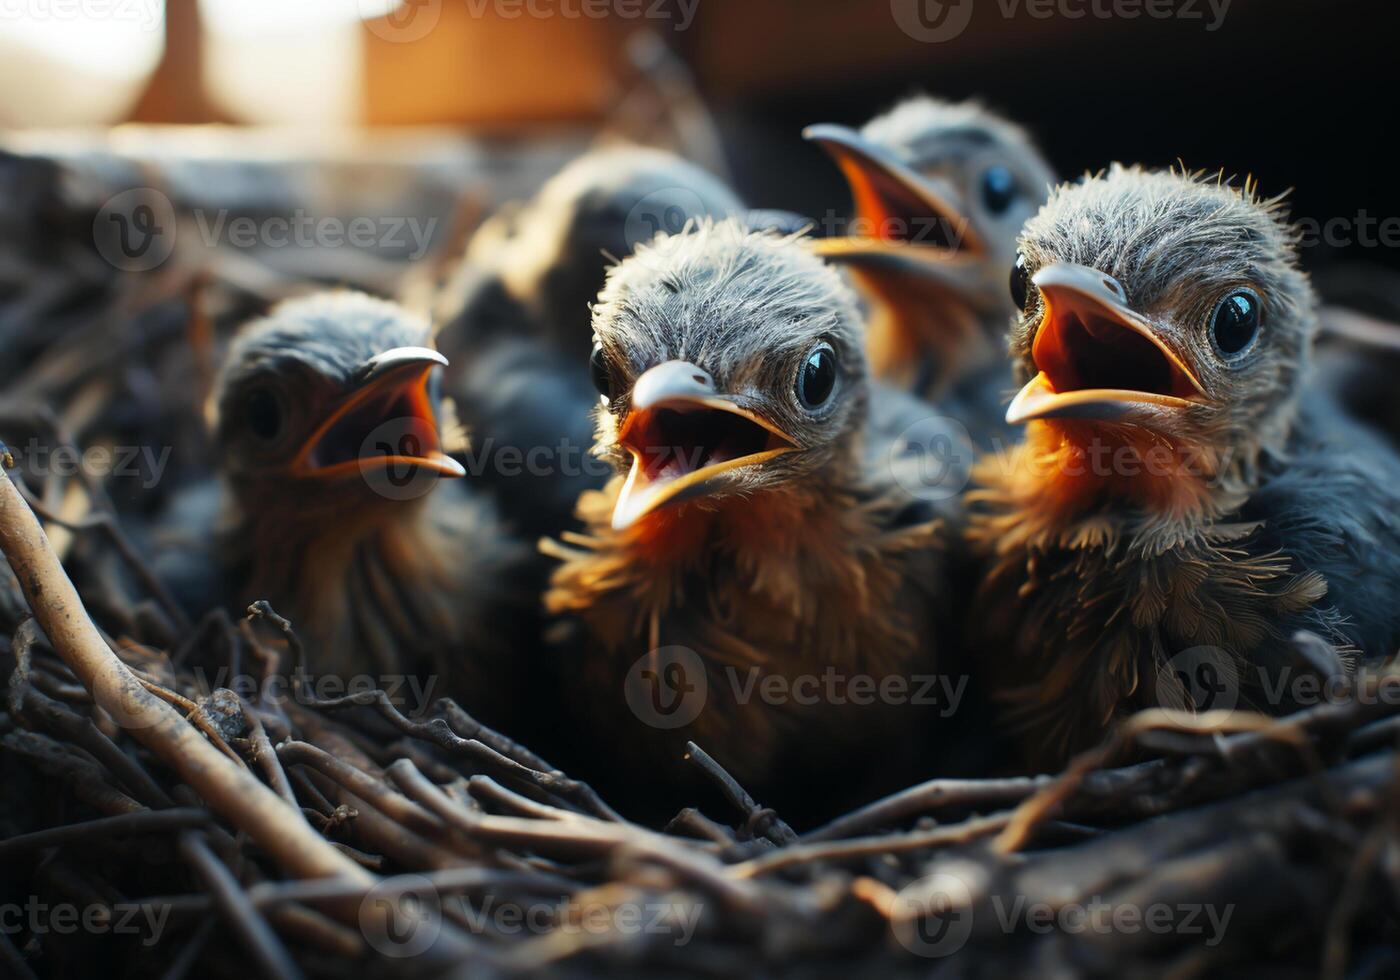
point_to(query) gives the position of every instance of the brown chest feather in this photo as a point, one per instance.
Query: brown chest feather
(785, 587)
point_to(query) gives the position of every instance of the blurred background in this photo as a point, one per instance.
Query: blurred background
(1296, 92)
(1291, 89)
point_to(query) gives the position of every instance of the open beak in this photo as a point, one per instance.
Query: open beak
(909, 225)
(901, 206)
(683, 436)
(1098, 358)
(387, 419)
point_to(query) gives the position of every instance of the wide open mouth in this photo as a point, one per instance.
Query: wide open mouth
(388, 421)
(1081, 352)
(894, 206)
(682, 446)
(1098, 359)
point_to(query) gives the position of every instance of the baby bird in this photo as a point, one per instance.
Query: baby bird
(941, 190)
(749, 549)
(516, 319)
(1182, 497)
(328, 427)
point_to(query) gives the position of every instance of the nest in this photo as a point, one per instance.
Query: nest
(196, 825)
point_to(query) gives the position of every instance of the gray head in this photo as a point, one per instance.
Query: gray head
(324, 391)
(1162, 303)
(729, 362)
(593, 212)
(940, 190)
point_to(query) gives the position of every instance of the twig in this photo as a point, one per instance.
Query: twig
(231, 791)
(267, 949)
(103, 829)
(862, 847)
(933, 795)
(761, 821)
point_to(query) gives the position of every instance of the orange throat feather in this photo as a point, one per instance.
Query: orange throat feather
(1066, 469)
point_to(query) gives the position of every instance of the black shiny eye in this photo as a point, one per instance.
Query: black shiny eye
(817, 379)
(263, 411)
(1020, 282)
(1236, 322)
(601, 371)
(999, 189)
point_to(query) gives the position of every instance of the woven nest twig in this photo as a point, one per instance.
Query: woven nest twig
(322, 843)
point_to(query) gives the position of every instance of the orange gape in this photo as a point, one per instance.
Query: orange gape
(1067, 468)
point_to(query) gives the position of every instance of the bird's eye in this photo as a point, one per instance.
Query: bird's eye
(1236, 322)
(263, 411)
(999, 189)
(817, 379)
(601, 371)
(1020, 282)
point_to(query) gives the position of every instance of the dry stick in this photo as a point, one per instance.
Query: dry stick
(862, 847)
(233, 901)
(103, 829)
(383, 797)
(575, 791)
(1336, 946)
(582, 835)
(1043, 804)
(762, 821)
(483, 788)
(191, 952)
(61, 720)
(932, 795)
(84, 778)
(266, 756)
(105, 521)
(232, 792)
(439, 732)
